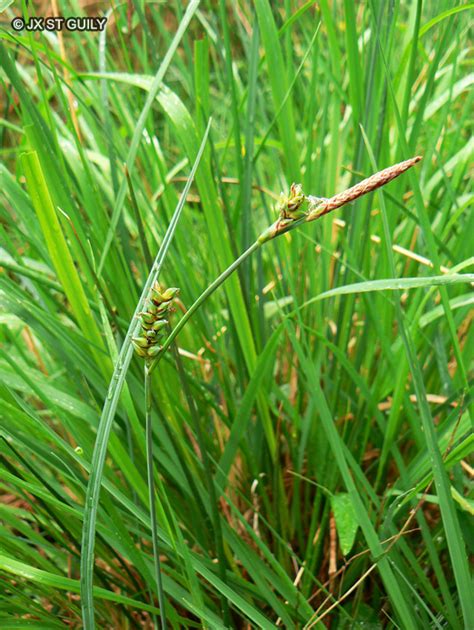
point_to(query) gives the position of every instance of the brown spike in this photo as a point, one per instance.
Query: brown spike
(362, 188)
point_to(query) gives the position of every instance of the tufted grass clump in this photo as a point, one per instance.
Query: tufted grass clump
(292, 448)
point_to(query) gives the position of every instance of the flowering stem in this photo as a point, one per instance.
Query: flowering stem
(202, 298)
(291, 217)
(152, 498)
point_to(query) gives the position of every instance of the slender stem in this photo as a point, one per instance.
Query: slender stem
(202, 298)
(151, 494)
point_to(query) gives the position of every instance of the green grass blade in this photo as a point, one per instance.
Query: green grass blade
(61, 256)
(108, 412)
(137, 136)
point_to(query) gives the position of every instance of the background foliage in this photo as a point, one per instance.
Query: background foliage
(338, 430)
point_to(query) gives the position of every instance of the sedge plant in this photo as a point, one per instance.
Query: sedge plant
(311, 433)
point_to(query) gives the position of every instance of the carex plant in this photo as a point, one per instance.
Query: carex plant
(154, 320)
(333, 362)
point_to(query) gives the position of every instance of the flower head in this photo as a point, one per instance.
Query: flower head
(289, 206)
(154, 321)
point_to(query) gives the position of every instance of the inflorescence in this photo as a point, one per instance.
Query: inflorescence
(291, 211)
(154, 321)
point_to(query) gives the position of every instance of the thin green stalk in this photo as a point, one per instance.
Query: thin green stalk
(202, 298)
(152, 497)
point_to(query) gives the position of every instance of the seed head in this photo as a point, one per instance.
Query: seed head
(154, 321)
(289, 206)
(321, 206)
(159, 297)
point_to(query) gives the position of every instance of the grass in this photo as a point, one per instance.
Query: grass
(310, 437)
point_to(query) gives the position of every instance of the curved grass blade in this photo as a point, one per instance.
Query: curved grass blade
(61, 255)
(393, 284)
(108, 412)
(28, 572)
(137, 135)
